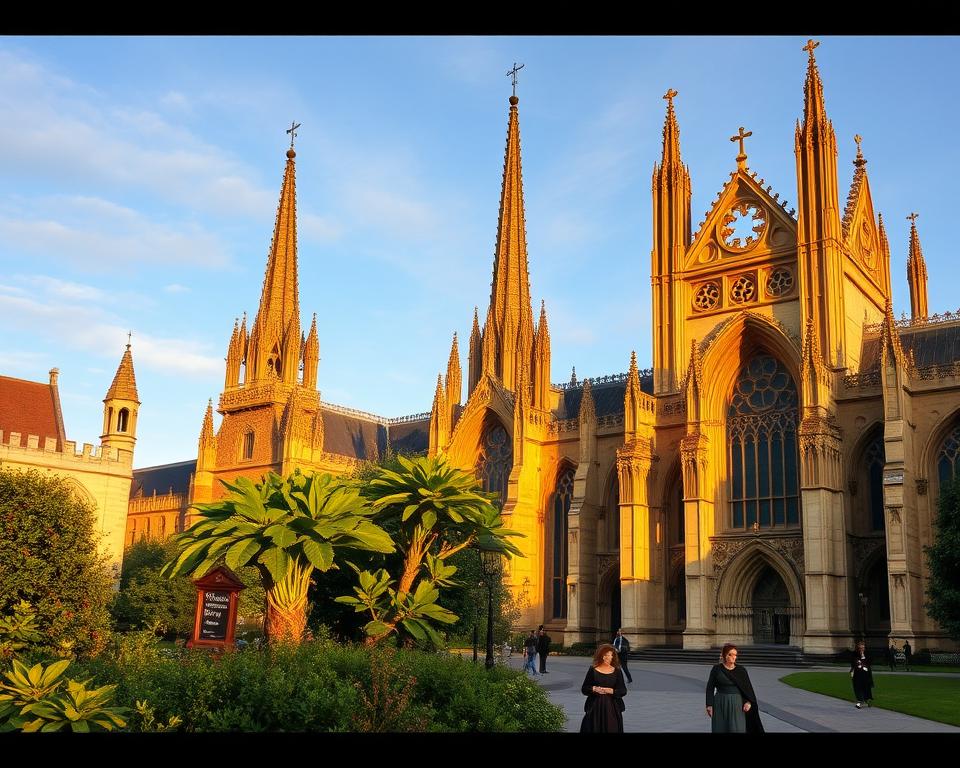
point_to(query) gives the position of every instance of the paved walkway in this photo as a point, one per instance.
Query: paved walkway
(670, 698)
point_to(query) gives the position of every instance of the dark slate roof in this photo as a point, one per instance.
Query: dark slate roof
(163, 478)
(410, 436)
(607, 398)
(933, 344)
(29, 407)
(349, 435)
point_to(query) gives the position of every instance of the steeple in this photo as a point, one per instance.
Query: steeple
(885, 255)
(671, 238)
(234, 358)
(916, 273)
(541, 362)
(475, 364)
(206, 431)
(454, 380)
(509, 327)
(631, 401)
(439, 420)
(819, 230)
(311, 356)
(120, 407)
(275, 335)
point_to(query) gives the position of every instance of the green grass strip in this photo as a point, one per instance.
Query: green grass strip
(932, 698)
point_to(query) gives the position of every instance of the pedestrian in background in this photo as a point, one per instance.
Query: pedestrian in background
(892, 656)
(622, 646)
(543, 648)
(530, 653)
(861, 673)
(907, 654)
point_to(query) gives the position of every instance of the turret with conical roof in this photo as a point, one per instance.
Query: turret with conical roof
(541, 362)
(671, 238)
(120, 407)
(916, 273)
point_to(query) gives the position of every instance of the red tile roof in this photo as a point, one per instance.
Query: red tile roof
(29, 407)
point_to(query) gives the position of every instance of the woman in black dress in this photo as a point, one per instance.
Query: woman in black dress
(861, 670)
(604, 688)
(731, 702)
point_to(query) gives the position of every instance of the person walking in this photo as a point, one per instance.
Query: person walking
(530, 653)
(543, 648)
(861, 673)
(907, 655)
(604, 688)
(731, 702)
(892, 656)
(622, 646)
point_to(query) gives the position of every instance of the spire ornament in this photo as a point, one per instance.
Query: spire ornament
(292, 130)
(512, 74)
(742, 157)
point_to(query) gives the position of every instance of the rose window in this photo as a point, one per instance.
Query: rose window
(743, 289)
(780, 282)
(742, 226)
(707, 296)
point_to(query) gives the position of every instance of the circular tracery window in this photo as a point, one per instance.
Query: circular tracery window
(742, 226)
(707, 296)
(780, 282)
(743, 289)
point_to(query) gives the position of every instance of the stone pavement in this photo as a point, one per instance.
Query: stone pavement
(670, 698)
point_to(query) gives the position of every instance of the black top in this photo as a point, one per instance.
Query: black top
(543, 643)
(720, 675)
(604, 680)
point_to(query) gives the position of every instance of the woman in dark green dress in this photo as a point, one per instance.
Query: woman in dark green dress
(731, 702)
(604, 688)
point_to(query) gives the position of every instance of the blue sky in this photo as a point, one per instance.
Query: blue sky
(141, 175)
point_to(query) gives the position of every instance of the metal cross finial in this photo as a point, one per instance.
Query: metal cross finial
(129, 335)
(913, 218)
(858, 138)
(512, 73)
(740, 137)
(669, 96)
(810, 46)
(292, 130)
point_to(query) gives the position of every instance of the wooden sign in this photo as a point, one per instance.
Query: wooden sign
(215, 623)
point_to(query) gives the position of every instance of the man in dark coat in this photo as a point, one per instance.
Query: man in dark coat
(622, 646)
(907, 655)
(892, 657)
(543, 648)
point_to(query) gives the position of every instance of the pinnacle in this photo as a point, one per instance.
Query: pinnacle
(124, 386)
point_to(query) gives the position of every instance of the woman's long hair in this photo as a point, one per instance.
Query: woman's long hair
(601, 651)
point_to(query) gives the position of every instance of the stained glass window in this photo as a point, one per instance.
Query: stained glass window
(948, 460)
(874, 460)
(495, 462)
(762, 435)
(561, 508)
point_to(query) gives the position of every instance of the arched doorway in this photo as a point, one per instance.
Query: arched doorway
(875, 599)
(771, 614)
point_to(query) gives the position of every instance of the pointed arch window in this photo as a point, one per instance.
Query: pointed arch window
(495, 461)
(762, 437)
(948, 459)
(123, 419)
(248, 443)
(874, 459)
(560, 505)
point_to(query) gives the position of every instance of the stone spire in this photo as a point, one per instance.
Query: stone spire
(631, 401)
(885, 255)
(311, 356)
(124, 386)
(439, 420)
(206, 431)
(671, 238)
(819, 229)
(541, 362)
(916, 273)
(509, 327)
(475, 362)
(275, 335)
(454, 380)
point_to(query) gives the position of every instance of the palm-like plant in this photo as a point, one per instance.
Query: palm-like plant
(437, 510)
(286, 528)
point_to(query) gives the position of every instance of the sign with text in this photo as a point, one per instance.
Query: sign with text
(215, 612)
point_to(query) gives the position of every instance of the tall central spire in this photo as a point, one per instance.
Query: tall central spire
(510, 317)
(916, 273)
(814, 111)
(275, 336)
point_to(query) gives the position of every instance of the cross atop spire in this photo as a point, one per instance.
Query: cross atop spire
(809, 47)
(742, 157)
(292, 130)
(912, 218)
(512, 74)
(669, 96)
(129, 336)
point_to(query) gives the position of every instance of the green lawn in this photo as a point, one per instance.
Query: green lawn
(933, 698)
(915, 669)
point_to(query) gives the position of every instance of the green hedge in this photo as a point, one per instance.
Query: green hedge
(321, 686)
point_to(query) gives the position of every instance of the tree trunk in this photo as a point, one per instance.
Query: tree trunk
(286, 618)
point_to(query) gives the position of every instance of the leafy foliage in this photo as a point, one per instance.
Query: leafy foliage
(433, 511)
(19, 630)
(943, 556)
(286, 528)
(49, 558)
(34, 699)
(146, 598)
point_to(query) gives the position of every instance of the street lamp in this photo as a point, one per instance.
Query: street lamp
(476, 623)
(490, 566)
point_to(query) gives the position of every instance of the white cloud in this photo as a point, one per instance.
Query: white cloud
(176, 288)
(318, 228)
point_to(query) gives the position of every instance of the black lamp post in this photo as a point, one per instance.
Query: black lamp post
(490, 566)
(476, 624)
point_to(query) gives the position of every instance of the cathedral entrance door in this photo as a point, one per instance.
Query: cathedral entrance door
(771, 620)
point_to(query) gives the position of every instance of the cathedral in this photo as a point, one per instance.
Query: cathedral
(772, 478)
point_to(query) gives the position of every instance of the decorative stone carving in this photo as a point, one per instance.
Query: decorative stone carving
(606, 562)
(863, 549)
(922, 484)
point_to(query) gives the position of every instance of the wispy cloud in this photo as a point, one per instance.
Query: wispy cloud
(176, 288)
